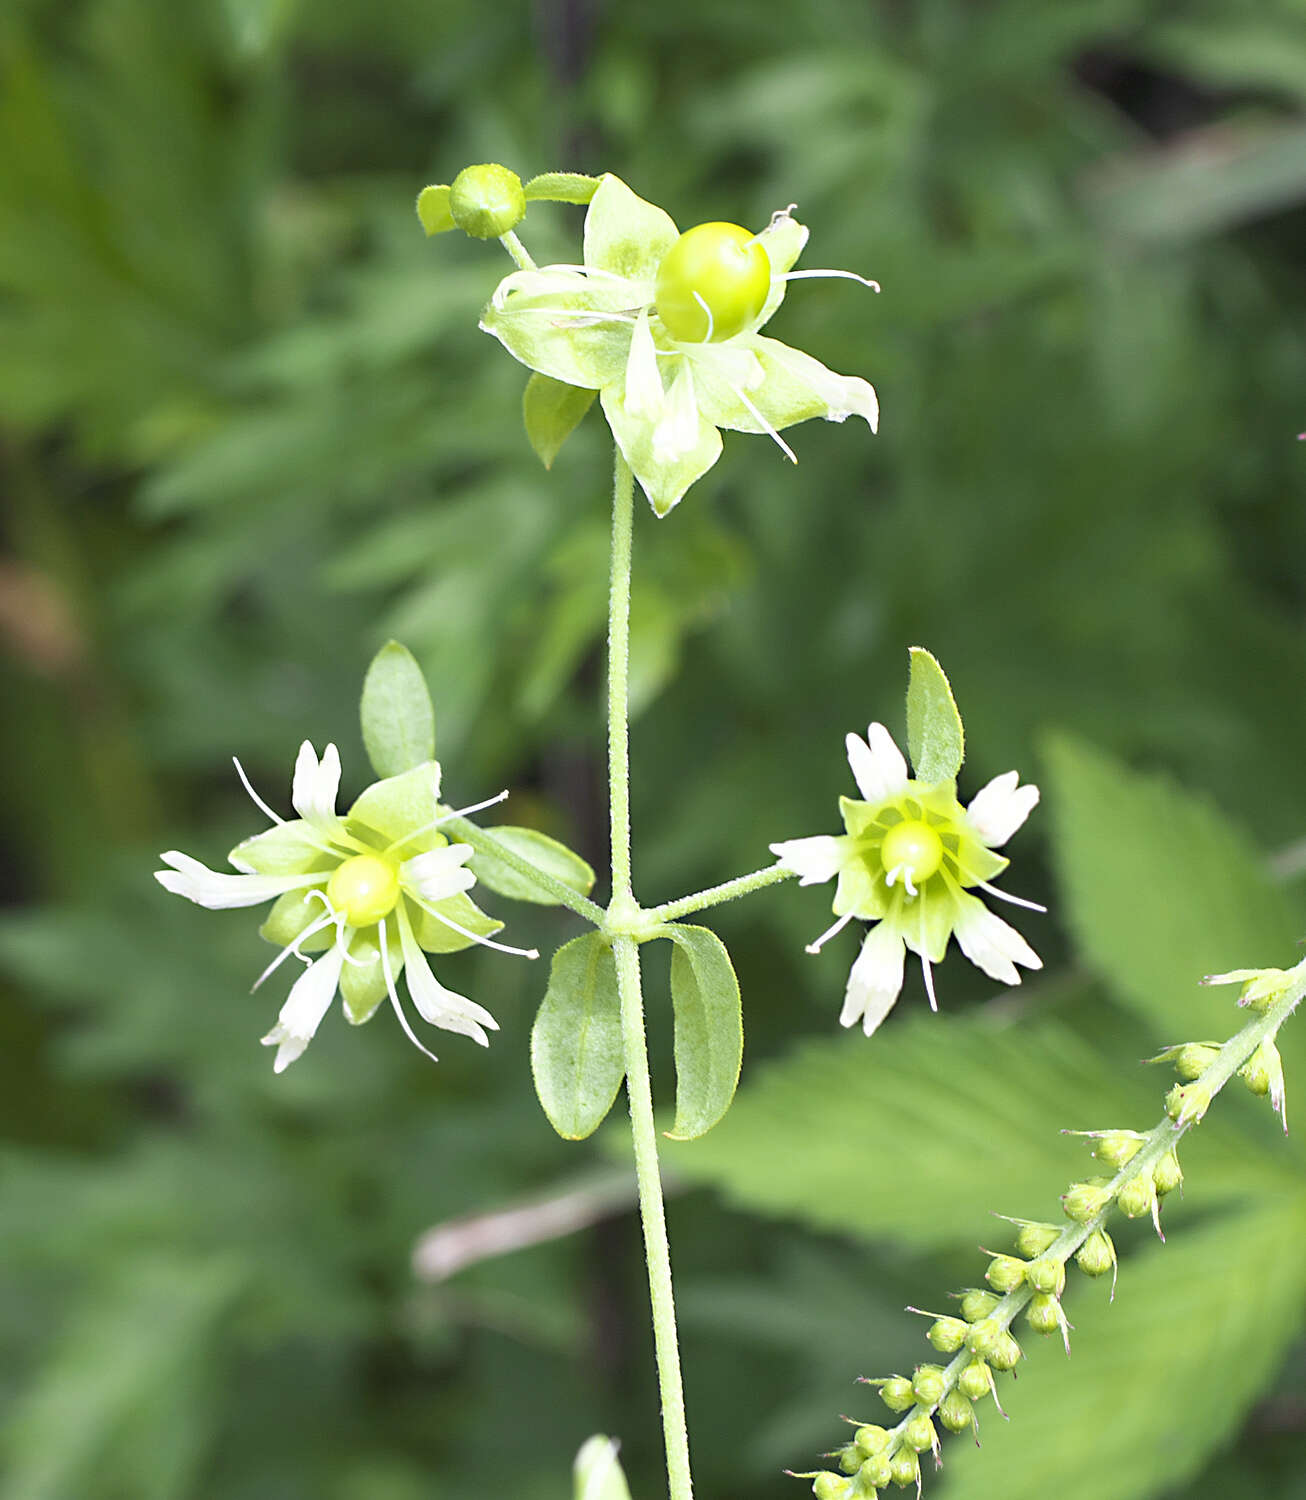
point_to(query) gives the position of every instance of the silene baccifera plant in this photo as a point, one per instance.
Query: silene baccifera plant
(665, 328)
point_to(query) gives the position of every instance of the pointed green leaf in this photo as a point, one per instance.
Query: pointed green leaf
(576, 1051)
(561, 187)
(552, 410)
(539, 849)
(597, 1472)
(433, 209)
(935, 739)
(396, 713)
(709, 1029)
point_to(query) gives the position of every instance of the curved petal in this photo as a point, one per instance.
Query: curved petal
(663, 482)
(567, 325)
(308, 1002)
(783, 240)
(313, 792)
(188, 877)
(998, 809)
(875, 980)
(438, 874)
(439, 1006)
(794, 388)
(877, 764)
(813, 860)
(627, 235)
(990, 943)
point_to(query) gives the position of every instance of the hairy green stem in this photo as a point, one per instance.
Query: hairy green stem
(714, 895)
(517, 250)
(484, 841)
(657, 1250)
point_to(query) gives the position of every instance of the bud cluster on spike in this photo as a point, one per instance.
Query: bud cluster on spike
(1031, 1280)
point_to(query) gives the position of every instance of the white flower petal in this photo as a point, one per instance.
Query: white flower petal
(875, 981)
(813, 860)
(676, 430)
(440, 1006)
(990, 943)
(438, 874)
(878, 767)
(220, 892)
(998, 809)
(644, 394)
(308, 1002)
(313, 792)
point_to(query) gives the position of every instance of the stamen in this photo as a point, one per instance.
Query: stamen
(905, 871)
(1015, 900)
(254, 796)
(394, 996)
(829, 933)
(766, 424)
(842, 275)
(459, 812)
(294, 947)
(484, 941)
(711, 321)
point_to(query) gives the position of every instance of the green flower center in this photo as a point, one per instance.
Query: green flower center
(364, 889)
(712, 283)
(911, 852)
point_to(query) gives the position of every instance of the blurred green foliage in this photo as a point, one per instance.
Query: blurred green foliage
(248, 430)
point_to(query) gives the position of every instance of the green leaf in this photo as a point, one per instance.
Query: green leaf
(597, 1472)
(552, 410)
(1161, 890)
(539, 849)
(396, 713)
(433, 209)
(1161, 1377)
(561, 187)
(576, 1052)
(709, 1029)
(935, 738)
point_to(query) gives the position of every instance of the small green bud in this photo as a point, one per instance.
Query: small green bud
(974, 1380)
(1006, 1354)
(919, 1434)
(983, 1336)
(1193, 1059)
(1034, 1239)
(875, 1473)
(896, 1393)
(1097, 1254)
(487, 201)
(1115, 1147)
(1043, 1313)
(1085, 1201)
(928, 1384)
(1186, 1103)
(1137, 1196)
(871, 1439)
(1005, 1273)
(1263, 1074)
(1260, 987)
(829, 1486)
(1047, 1275)
(849, 1459)
(1167, 1174)
(977, 1304)
(905, 1467)
(956, 1413)
(947, 1334)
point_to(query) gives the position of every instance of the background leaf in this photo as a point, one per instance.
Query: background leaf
(576, 1050)
(934, 734)
(545, 852)
(709, 1029)
(397, 716)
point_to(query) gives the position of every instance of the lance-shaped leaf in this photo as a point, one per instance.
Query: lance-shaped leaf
(561, 187)
(538, 849)
(397, 718)
(552, 410)
(576, 1052)
(709, 1029)
(934, 734)
(597, 1472)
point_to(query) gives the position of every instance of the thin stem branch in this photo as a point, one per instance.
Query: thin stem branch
(484, 841)
(623, 526)
(517, 250)
(714, 895)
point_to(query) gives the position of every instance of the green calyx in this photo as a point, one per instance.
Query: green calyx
(486, 201)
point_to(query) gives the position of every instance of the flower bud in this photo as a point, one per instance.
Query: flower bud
(896, 1393)
(871, 1439)
(1085, 1201)
(849, 1459)
(928, 1384)
(919, 1434)
(1186, 1103)
(1047, 1274)
(487, 201)
(1115, 1147)
(1005, 1273)
(1137, 1196)
(875, 1473)
(1034, 1239)
(1043, 1313)
(1097, 1254)
(956, 1413)
(1263, 1073)
(1005, 1354)
(974, 1380)
(829, 1486)
(905, 1467)
(983, 1337)
(1167, 1174)
(947, 1334)
(1193, 1059)
(977, 1304)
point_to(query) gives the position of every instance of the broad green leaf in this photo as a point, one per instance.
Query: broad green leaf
(552, 410)
(576, 1051)
(935, 739)
(433, 209)
(597, 1472)
(397, 717)
(1160, 1378)
(539, 849)
(709, 1029)
(561, 187)
(1161, 890)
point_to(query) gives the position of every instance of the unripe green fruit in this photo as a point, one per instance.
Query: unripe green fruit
(1085, 1201)
(919, 1434)
(876, 1472)
(973, 1381)
(1034, 1239)
(1096, 1255)
(363, 889)
(871, 1439)
(1193, 1060)
(1006, 1353)
(904, 1467)
(1005, 1273)
(928, 1384)
(897, 1394)
(714, 269)
(1167, 1174)
(1116, 1147)
(955, 1412)
(1137, 1197)
(829, 1486)
(977, 1304)
(1047, 1275)
(850, 1460)
(1043, 1313)
(947, 1334)
(913, 847)
(487, 201)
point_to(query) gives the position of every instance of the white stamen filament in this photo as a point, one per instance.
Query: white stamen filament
(829, 933)
(484, 941)
(458, 812)
(1002, 895)
(254, 796)
(290, 948)
(766, 424)
(711, 321)
(905, 871)
(394, 996)
(842, 275)
(344, 932)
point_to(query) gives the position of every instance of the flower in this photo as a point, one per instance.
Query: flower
(369, 892)
(666, 328)
(908, 861)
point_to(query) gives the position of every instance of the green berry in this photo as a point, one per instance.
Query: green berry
(487, 201)
(712, 283)
(1097, 1254)
(947, 1334)
(974, 1380)
(1005, 1273)
(928, 1384)
(897, 1394)
(955, 1411)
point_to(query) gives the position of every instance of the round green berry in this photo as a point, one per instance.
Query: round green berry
(712, 283)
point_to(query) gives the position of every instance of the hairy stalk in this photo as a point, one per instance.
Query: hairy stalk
(657, 1250)
(484, 841)
(517, 250)
(714, 895)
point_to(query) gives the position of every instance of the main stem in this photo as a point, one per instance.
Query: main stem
(639, 1091)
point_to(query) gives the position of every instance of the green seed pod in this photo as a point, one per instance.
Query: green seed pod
(1137, 1196)
(829, 1486)
(1047, 1275)
(1097, 1254)
(1034, 1239)
(928, 1384)
(897, 1394)
(1193, 1059)
(1167, 1174)
(1005, 1273)
(956, 1413)
(1006, 1355)
(974, 1380)
(977, 1304)
(1043, 1313)
(948, 1334)
(875, 1473)
(487, 201)
(919, 1434)
(905, 1467)
(871, 1439)
(1084, 1201)
(1115, 1147)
